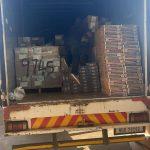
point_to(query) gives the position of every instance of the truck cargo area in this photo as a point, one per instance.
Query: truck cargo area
(47, 18)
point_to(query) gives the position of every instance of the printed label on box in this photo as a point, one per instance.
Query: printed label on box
(56, 63)
(118, 54)
(56, 69)
(40, 72)
(25, 78)
(24, 50)
(25, 62)
(23, 84)
(49, 63)
(23, 56)
(38, 57)
(37, 83)
(50, 51)
(37, 49)
(41, 78)
(52, 76)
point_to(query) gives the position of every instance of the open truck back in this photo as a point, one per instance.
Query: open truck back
(55, 112)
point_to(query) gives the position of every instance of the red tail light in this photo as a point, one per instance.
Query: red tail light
(14, 126)
(139, 117)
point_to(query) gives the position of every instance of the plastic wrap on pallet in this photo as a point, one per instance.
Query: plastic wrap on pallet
(38, 67)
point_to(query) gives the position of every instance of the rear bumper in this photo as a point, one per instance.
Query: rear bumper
(110, 129)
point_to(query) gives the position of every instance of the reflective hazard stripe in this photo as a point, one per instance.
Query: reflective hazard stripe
(75, 120)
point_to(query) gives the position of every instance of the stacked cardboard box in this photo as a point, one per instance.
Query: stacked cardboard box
(89, 78)
(92, 23)
(38, 67)
(59, 40)
(65, 73)
(115, 54)
(23, 69)
(66, 82)
(30, 41)
(132, 60)
(70, 85)
(75, 87)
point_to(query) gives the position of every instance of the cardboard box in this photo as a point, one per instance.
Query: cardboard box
(89, 78)
(119, 59)
(38, 81)
(24, 81)
(30, 41)
(92, 22)
(53, 80)
(41, 64)
(59, 40)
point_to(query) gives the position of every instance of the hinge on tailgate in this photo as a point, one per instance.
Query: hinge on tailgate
(80, 110)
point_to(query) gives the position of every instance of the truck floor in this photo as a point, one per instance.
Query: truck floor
(58, 96)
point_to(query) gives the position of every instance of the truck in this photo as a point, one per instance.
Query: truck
(121, 119)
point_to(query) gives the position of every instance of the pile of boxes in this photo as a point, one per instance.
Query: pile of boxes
(132, 58)
(59, 40)
(30, 41)
(92, 23)
(118, 55)
(88, 80)
(65, 72)
(75, 87)
(38, 67)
